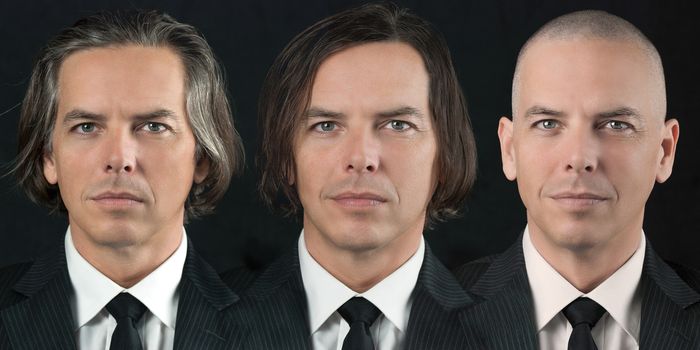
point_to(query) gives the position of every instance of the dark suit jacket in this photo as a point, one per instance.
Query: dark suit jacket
(274, 308)
(502, 315)
(35, 311)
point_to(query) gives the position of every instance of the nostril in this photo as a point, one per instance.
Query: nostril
(127, 168)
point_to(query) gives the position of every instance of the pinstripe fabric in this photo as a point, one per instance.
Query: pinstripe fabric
(670, 305)
(438, 301)
(35, 311)
(37, 314)
(203, 316)
(275, 308)
(503, 316)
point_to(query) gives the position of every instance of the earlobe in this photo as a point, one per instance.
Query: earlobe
(201, 170)
(50, 169)
(667, 152)
(505, 136)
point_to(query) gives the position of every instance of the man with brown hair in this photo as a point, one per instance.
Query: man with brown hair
(365, 134)
(587, 142)
(126, 127)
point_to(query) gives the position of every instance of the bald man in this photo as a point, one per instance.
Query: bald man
(587, 142)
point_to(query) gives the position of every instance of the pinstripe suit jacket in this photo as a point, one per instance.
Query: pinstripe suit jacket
(275, 308)
(35, 312)
(502, 315)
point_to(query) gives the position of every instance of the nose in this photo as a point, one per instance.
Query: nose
(363, 149)
(120, 152)
(582, 151)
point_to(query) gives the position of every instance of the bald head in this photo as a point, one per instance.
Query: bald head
(592, 25)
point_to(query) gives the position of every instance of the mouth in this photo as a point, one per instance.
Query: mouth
(359, 200)
(117, 199)
(578, 200)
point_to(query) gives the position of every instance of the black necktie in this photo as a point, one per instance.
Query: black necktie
(127, 310)
(583, 314)
(360, 314)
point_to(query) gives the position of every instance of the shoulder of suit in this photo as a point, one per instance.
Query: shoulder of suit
(239, 278)
(470, 272)
(689, 275)
(9, 276)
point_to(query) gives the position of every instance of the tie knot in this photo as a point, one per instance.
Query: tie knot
(124, 305)
(359, 309)
(583, 310)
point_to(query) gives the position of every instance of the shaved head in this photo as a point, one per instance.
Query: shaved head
(595, 25)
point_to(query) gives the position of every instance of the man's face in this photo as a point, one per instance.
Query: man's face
(365, 150)
(123, 153)
(587, 140)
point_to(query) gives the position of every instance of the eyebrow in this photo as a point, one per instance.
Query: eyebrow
(317, 112)
(618, 112)
(80, 114)
(405, 110)
(539, 110)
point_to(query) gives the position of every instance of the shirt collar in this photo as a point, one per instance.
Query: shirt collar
(93, 290)
(551, 292)
(326, 294)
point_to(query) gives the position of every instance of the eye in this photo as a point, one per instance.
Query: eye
(547, 124)
(617, 125)
(154, 127)
(325, 126)
(86, 128)
(398, 125)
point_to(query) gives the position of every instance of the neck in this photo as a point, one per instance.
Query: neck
(127, 263)
(362, 269)
(587, 266)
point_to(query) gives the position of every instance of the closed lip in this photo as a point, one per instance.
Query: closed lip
(368, 196)
(117, 196)
(579, 195)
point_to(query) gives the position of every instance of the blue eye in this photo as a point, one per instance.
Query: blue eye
(325, 126)
(398, 125)
(547, 124)
(154, 127)
(86, 128)
(617, 125)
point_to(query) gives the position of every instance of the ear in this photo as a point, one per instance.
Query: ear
(505, 136)
(667, 152)
(49, 164)
(201, 170)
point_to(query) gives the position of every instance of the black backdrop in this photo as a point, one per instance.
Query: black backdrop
(484, 37)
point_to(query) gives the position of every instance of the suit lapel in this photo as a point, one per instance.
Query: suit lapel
(203, 320)
(44, 319)
(275, 307)
(437, 298)
(502, 316)
(666, 321)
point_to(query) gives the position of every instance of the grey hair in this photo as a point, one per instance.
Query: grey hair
(207, 104)
(591, 24)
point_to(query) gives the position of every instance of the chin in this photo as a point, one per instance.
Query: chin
(358, 240)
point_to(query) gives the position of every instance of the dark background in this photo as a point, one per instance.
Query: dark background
(484, 37)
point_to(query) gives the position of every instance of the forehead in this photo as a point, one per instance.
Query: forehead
(590, 74)
(121, 78)
(371, 76)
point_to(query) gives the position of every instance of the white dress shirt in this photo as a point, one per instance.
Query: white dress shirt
(618, 329)
(325, 294)
(158, 292)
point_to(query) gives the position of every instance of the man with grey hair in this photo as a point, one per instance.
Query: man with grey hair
(126, 127)
(587, 141)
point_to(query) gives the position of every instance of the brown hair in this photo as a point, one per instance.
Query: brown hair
(207, 104)
(287, 88)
